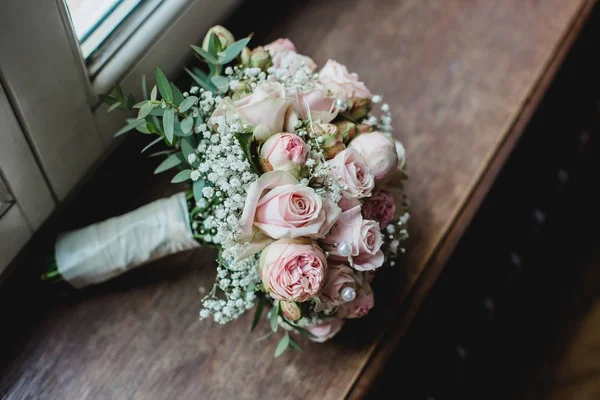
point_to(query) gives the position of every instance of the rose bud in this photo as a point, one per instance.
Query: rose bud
(293, 269)
(245, 56)
(330, 139)
(290, 310)
(360, 108)
(380, 207)
(325, 330)
(365, 128)
(260, 58)
(225, 37)
(347, 129)
(284, 151)
(378, 151)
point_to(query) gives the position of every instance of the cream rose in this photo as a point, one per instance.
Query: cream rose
(351, 167)
(378, 151)
(287, 210)
(363, 235)
(336, 78)
(293, 269)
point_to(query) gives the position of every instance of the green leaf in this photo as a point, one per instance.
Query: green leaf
(273, 317)
(143, 128)
(109, 100)
(187, 124)
(145, 110)
(233, 51)
(245, 140)
(302, 330)
(221, 82)
(114, 106)
(177, 95)
(294, 345)
(201, 80)
(214, 44)
(187, 103)
(141, 104)
(130, 102)
(259, 307)
(164, 87)
(172, 161)
(282, 345)
(144, 87)
(169, 123)
(182, 176)
(119, 93)
(206, 56)
(131, 124)
(153, 93)
(162, 152)
(197, 188)
(152, 143)
(186, 149)
(157, 112)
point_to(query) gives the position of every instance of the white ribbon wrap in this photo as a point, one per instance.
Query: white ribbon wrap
(104, 250)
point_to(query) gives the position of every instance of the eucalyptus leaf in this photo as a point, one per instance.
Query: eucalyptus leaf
(145, 110)
(131, 124)
(143, 128)
(201, 80)
(187, 103)
(214, 44)
(177, 95)
(108, 99)
(206, 56)
(302, 330)
(172, 161)
(130, 102)
(153, 93)
(231, 52)
(282, 345)
(141, 104)
(187, 124)
(144, 87)
(198, 186)
(114, 106)
(164, 87)
(259, 307)
(273, 317)
(158, 112)
(186, 149)
(294, 345)
(182, 176)
(169, 123)
(152, 143)
(221, 82)
(119, 93)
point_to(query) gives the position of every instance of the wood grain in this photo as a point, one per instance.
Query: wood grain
(457, 75)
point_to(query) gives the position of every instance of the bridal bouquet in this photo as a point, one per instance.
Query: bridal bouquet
(293, 178)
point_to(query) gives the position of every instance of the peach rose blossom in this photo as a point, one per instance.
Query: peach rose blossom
(351, 167)
(293, 269)
(336, 78)
(378, 151)
(363, 235)
(281, 44)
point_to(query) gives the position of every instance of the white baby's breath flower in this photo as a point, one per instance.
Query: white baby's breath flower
(195, 175)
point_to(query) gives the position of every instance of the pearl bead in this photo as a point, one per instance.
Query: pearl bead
(344, 249)
(348, 294)
(341, 104)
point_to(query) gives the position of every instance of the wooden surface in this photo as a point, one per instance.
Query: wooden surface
(459, 77)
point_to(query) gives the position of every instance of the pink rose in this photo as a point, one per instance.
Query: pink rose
(339, 277)
(362, 234)
(287, 210)
(314, 103)
(336, 78)
(267, 106)
(284, 151)
(400, 153)
(280, 44)
(380, 207)
(325, 330)
(293, 269)
(352, 169)
(360, 306)
(378, 151)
